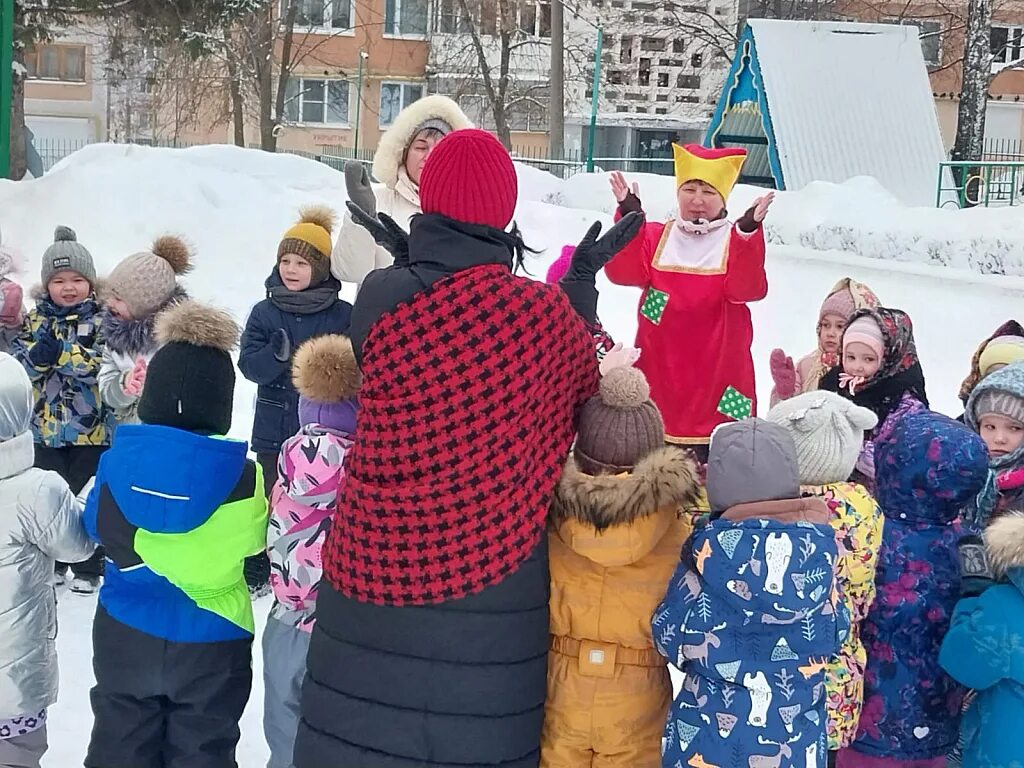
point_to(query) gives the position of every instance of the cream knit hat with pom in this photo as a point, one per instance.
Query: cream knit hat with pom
(828, 431)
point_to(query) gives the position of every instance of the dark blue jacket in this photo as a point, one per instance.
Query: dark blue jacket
(277, 402)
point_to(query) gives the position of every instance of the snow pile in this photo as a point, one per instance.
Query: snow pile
(858, 216)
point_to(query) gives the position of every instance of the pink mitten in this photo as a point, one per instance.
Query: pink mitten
(136, 379)
(10, 303)
(783, 374)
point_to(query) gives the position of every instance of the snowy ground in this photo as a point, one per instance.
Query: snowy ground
(234, 204)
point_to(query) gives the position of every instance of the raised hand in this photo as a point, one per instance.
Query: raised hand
(385, 231)
(357, 183)
(783, 374)
(594, 252)
(619, 357)
(621, 188)
(136, 378)
(761, 206)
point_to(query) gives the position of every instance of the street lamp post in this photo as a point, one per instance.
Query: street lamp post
(594, 96)
(6, 83)
(359, 101)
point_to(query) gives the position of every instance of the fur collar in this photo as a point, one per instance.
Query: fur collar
(135, 336)
(1004, 539)
(666, 478)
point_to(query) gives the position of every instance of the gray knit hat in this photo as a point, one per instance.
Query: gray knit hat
(146, 281)
(67, 253)
(751, 460)
(619, 425)
(828, 431)
(1000, 403)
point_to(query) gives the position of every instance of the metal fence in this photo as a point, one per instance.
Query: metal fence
(1003, 150)
(986, 184)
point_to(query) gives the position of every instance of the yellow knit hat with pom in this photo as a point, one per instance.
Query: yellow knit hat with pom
(311, 239)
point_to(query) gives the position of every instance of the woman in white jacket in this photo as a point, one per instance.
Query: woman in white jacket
(40, 522)
(396, 165)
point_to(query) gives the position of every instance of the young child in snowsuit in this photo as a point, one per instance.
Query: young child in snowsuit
(982, 649)
(927, 469)
(614, 537)
(302, 302)
(828, 431)
(305, 496)
(12, 314)
(880, 372)
(61, 347)
(178, 507)
(845, 298)
(135, 292)
(1002, 348)
(752, 615)
(40, 521)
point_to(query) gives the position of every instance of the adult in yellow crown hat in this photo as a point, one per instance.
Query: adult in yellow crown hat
(718, 168)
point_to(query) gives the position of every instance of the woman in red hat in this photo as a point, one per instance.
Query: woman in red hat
(431, 641)
(698, 274)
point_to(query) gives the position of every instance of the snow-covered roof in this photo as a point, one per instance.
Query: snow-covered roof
(847, 100)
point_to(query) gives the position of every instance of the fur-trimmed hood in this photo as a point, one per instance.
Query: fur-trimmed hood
(1004, 540)
(190, 322)
(396, 139)
(666, 479)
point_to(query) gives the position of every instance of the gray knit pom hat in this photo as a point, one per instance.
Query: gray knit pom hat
(619, 425)
(67, 253)
(828, 431)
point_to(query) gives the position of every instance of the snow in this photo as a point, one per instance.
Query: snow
(234, 204)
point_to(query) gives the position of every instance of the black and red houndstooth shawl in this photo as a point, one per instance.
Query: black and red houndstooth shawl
(467, 411)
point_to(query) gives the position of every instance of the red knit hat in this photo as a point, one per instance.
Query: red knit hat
(469, 177)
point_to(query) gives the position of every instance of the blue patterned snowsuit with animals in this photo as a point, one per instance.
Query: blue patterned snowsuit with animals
(751, 618)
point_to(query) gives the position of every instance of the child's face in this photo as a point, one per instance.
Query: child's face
(698, 200)
(1001, 434)
(296, 273)
(860, 360)
(118, 308)
(830, 333)
(68, 288)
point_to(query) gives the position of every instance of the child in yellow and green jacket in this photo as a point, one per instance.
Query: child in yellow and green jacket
(828, 431)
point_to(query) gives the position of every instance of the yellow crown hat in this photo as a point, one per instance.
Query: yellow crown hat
(718, 167)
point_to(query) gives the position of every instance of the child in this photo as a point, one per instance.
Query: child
(615, 533)
(982, 650)
(1002, 348)
(39, 521)
(752, 615)
(880, 372)
(845, 298)
(310, 473)
(995, 411)
(11, 312)
(60, 347)
(138, 288)
(928, 467)
(828, 431)
(178, 508)
(302, 302)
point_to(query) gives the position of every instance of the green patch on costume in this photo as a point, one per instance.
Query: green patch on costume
(654, 304)
(735, 405)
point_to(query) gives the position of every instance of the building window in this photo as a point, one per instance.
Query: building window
(452, 19)
(405, 18)
(679, 45)
(615, 77)
(318, 102)
(931, 38)
(697, 60)
(645, 72)
(626, 50)
(663, 79)
(394, 97)
(688, 81)
(326, 14)
(652, 44)
(65, 63)
(687, 100)
(1007, 43)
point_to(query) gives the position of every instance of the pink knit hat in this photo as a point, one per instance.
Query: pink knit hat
(846, 298)
(561, 265)
(865, 330)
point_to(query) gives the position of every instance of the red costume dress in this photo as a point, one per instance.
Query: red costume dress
(694, 329)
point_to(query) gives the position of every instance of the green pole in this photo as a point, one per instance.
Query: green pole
(359, 102)
(6, 84)
(594, 99)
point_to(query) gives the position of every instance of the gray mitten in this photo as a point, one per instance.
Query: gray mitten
(357, 182)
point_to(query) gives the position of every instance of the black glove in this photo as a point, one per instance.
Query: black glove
(281, 345)
(385, 231)
(748, 224)
(357, 182)
(975, 572)
(592, 253)
(46, 351)
(631, 204)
